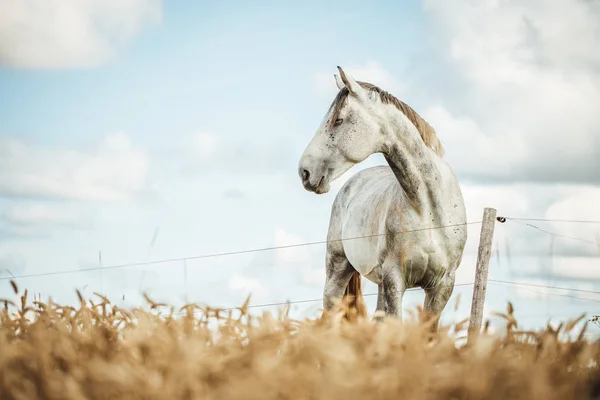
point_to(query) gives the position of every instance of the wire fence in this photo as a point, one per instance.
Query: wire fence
(492, 281)
(231, 253)
(320, 299)
(529, 287)
(519, 220)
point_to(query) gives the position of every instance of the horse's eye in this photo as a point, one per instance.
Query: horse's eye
(338, 122)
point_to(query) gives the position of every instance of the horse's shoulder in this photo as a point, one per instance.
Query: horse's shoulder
(364, 177)
(362, 181)
(370, 174)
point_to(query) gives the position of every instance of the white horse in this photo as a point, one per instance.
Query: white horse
(398, 207)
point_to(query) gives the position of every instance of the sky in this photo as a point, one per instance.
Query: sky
(141, 131)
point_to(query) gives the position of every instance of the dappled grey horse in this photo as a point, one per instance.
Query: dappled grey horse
(411, 213)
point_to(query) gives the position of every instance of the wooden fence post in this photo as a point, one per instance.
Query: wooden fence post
(481, 272)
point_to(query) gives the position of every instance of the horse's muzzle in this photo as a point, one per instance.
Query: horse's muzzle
(308, 181)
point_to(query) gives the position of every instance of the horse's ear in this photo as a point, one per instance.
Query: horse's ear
(350, 83)
(339, 82)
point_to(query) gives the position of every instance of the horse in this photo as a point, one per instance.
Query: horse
(407, 219)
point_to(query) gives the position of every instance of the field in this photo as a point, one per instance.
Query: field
(99, 351)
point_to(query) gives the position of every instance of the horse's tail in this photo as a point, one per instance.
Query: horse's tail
(353, 301)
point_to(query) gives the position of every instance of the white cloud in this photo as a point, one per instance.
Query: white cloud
(58, 215)
(114, 171)
(371, 72)
(204, 147)
(469, 150)
(532, 35)
(247, 286)
(523, 238)
(289, 255)
(313, 276)
(543, 243)
(531, 80)
(506, 200)
(226, 152)
(582, 205)
(577, 267)
(70, 33)
(577, 204)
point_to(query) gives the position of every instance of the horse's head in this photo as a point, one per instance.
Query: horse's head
(349, 133)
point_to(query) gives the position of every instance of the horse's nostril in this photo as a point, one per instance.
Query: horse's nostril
(305, 174)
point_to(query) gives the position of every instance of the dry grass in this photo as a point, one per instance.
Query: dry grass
(99, 351)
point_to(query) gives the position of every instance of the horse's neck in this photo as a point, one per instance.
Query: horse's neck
(412, 164)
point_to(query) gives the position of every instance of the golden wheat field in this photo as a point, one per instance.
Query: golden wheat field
(99, 351)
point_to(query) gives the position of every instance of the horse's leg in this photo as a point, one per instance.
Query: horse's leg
(393, 290)
(437, 297)
(380, 309)
(338, 274)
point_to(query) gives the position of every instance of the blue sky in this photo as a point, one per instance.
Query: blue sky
(201, 64)
(188, 119)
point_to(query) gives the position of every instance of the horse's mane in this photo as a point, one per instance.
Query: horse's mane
(425, 130)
